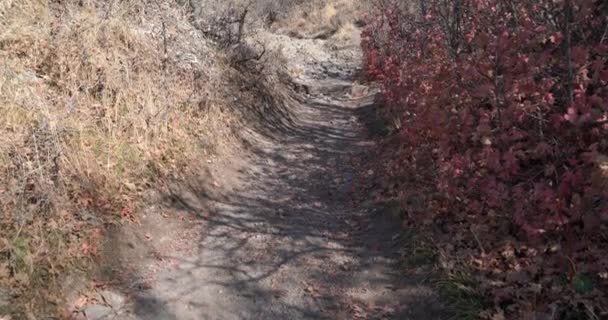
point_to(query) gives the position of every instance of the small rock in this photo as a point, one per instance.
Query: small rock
(113, 299)
(4, 298)
(77, 316)
(97, 312)
(358, 90)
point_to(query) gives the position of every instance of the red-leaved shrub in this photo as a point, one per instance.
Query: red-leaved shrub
(503, 113)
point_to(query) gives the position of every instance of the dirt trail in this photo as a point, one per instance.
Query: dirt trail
(286, 241)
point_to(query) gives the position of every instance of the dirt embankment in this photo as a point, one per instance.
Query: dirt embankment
(99, 103)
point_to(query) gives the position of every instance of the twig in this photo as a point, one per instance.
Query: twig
(568, 47)
(604, 35)
(483, 251)
(166, 54)
(241, 22)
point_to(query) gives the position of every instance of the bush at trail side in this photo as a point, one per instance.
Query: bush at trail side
(503, 112)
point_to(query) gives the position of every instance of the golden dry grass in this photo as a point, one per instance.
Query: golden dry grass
(97, 103)
(320, 18)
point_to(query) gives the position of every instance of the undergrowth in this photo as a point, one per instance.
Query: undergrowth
(500, 118)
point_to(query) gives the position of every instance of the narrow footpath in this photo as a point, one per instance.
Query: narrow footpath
(288, 242)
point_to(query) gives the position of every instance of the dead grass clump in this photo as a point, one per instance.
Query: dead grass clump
(96, 105)
(318, 19)
(345, 34)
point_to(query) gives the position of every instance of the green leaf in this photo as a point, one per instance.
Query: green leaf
(582, 284)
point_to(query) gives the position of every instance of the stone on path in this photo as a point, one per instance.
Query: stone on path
(4, 298)
(113, 299)
(97, 312)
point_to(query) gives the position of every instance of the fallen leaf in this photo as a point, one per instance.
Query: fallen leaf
(80, 302)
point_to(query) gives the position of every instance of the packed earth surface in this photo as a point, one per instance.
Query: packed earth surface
(274, 233)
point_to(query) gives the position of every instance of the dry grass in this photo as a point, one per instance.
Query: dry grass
(97, 104)
(322, 19)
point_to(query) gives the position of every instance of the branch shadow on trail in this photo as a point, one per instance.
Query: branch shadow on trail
(262, 250)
